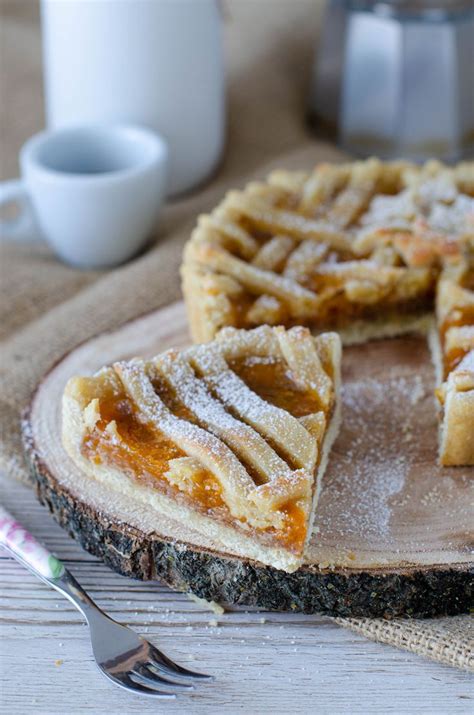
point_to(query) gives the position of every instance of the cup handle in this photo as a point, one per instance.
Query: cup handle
(22, 228)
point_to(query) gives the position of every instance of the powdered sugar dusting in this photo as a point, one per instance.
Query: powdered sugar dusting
(379, 464)
(211, 414)
(437, 201)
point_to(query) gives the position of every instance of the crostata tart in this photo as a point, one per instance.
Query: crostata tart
(230, 437)
(453, 345)
(362, 248)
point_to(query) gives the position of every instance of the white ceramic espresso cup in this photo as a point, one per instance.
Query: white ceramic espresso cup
(94, 193)
(156, 63)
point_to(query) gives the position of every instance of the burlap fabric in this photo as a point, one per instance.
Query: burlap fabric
(47, 308)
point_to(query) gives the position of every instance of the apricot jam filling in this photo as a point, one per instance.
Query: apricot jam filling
(145, 454)
(457, 318)
(293, 534)
(269, 379)
(336, 312)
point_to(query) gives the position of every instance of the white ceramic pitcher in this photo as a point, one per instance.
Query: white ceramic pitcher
(152, 62)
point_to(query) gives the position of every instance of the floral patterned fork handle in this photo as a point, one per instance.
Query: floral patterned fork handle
(36, 558)
(24, 547)
(124, 657)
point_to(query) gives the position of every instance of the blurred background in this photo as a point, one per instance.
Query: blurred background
(305, 81)
(269, 48)
(392, 78)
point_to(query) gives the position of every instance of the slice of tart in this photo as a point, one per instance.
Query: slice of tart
(230, 438)
(454, 359)
(352, 247)
(456, 396)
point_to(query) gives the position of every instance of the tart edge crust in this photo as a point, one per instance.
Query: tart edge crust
(240, 543)
(421, 593)
(203, 319)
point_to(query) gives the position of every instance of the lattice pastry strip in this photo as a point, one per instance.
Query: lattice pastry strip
(454, 354)
(461, 339)
(266, 309)
(274, 423)
(301, 302)
(280, 221)
(452, 297)
(303, 359)
(277, 240)
(355, 197)
(230, 436)
(320, 187)
(273, 254)
(199, 444)
(244, 441)
(364, 282)
(302, 262)
(228, 233)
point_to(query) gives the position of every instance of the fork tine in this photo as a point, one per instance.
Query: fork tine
(124, 680)
(149, 677)
(167, 666)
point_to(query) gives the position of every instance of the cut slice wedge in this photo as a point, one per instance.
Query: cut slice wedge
(230, 437)
(453, 352)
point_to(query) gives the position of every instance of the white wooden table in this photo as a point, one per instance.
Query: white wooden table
(263, 662)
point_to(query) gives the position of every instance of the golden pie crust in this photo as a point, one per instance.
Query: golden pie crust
(230, 437)
(361, 248)
(454, 358)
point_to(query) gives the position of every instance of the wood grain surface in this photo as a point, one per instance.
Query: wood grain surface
(264, 662)
(391, 522)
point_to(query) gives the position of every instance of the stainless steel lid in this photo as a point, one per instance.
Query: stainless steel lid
(431, 10)
(396, 78)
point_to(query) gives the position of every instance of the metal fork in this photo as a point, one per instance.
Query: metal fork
(124, 657)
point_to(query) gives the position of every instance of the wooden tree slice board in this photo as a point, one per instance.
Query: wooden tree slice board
(394, 531)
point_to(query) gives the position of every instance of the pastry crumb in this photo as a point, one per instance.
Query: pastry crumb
(208, 605)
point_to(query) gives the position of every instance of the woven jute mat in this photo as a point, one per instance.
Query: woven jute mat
(47, 308)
